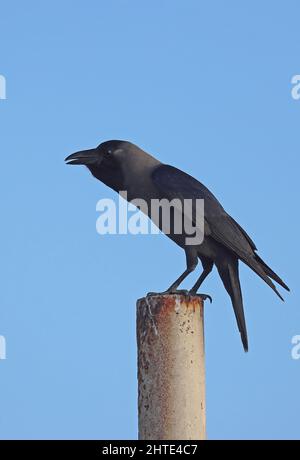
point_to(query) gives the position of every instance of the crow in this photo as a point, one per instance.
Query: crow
(124, 166)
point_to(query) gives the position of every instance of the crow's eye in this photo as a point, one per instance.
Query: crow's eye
(107, 153)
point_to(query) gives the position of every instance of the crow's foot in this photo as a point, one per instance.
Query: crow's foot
(170, 292)
(202, 296)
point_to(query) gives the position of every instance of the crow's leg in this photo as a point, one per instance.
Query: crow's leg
(191, 264)
(207, 268)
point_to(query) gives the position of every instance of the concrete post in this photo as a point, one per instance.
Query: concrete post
(171, 368)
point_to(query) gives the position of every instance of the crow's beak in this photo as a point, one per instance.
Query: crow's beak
(85, 157)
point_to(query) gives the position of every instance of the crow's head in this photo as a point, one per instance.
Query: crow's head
(103, 162)
(105, 152)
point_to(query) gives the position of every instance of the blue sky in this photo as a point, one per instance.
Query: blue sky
(205, 86)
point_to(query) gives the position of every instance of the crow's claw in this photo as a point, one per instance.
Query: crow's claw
(202, 296)
(170, 292)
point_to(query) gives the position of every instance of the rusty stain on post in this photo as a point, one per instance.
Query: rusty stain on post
(171, 368)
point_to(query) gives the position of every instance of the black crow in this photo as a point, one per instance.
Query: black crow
(125, 167)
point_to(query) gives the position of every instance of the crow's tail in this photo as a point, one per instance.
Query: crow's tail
(262, 270)
(270, 273)
(229, 273)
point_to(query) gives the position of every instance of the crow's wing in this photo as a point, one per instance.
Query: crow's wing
(174, 183)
